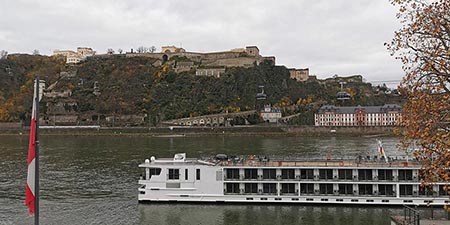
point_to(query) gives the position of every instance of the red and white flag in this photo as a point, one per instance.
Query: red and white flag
(30, 189)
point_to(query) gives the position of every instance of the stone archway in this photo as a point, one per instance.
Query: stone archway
(165, 57)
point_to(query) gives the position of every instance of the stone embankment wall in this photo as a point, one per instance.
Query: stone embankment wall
(355, 131)
(200, 131)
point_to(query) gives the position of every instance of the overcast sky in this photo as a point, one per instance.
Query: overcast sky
(328, 36)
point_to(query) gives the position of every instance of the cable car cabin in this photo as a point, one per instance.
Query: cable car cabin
(343, 95)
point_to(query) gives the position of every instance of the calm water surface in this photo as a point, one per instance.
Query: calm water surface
(93, 180)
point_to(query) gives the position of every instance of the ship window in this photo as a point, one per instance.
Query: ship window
(326, 174)
(345, 189)
(232, 173)
(384, 174)
(186, 174)
(345, 174)
(443, 192)
(197, 175)
(405, 190)
(250, 173)
(288, 174)
(269, 173)
(405, 175)
(386, 189)
(307, 174)
(287, 188)
(232, 188)
(365, 174)
(270, 188)
(428, 190)
(251, 188)
(365, 189)
(307, 188)
(326, 189)
(155, 171)
(174, 174)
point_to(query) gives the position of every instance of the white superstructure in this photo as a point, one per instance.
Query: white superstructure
(256, 179)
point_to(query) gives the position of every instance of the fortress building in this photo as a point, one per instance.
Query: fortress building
(213, 61)
(75, 57)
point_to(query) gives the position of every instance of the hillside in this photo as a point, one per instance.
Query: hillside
(101, 89)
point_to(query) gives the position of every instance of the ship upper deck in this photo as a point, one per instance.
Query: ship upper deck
(264, 161)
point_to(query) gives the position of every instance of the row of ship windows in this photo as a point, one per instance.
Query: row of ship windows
(174, 174)
(324, 174)
(340, 200)
(328, 189)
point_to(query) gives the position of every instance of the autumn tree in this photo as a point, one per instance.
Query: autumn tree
(423, 46)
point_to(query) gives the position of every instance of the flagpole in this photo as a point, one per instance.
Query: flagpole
(36, 214)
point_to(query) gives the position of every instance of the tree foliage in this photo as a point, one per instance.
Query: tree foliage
(423, 46)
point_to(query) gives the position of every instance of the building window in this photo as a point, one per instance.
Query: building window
(186, 173)
(174, 174)
(198, 174)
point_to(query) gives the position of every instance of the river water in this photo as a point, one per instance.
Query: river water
(93, 180)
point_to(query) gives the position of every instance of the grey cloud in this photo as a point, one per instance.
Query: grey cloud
(329, 37)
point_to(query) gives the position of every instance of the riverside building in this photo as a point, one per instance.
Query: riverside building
(333, 116)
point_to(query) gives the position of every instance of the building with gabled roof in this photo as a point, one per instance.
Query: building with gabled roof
(386, 115)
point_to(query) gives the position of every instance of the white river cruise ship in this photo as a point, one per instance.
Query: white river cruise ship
(252, 179)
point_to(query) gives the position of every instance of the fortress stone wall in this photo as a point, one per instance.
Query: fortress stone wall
(241, 57)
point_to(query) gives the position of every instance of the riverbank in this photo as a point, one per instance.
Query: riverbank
(213, 131)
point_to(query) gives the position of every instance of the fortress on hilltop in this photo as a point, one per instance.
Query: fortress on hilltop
(239, 57)
(202, 63)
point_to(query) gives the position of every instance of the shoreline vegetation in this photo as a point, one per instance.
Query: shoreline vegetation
(180, 131)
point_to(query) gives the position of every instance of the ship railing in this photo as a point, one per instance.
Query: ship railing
(411, 216)
(341, 161)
